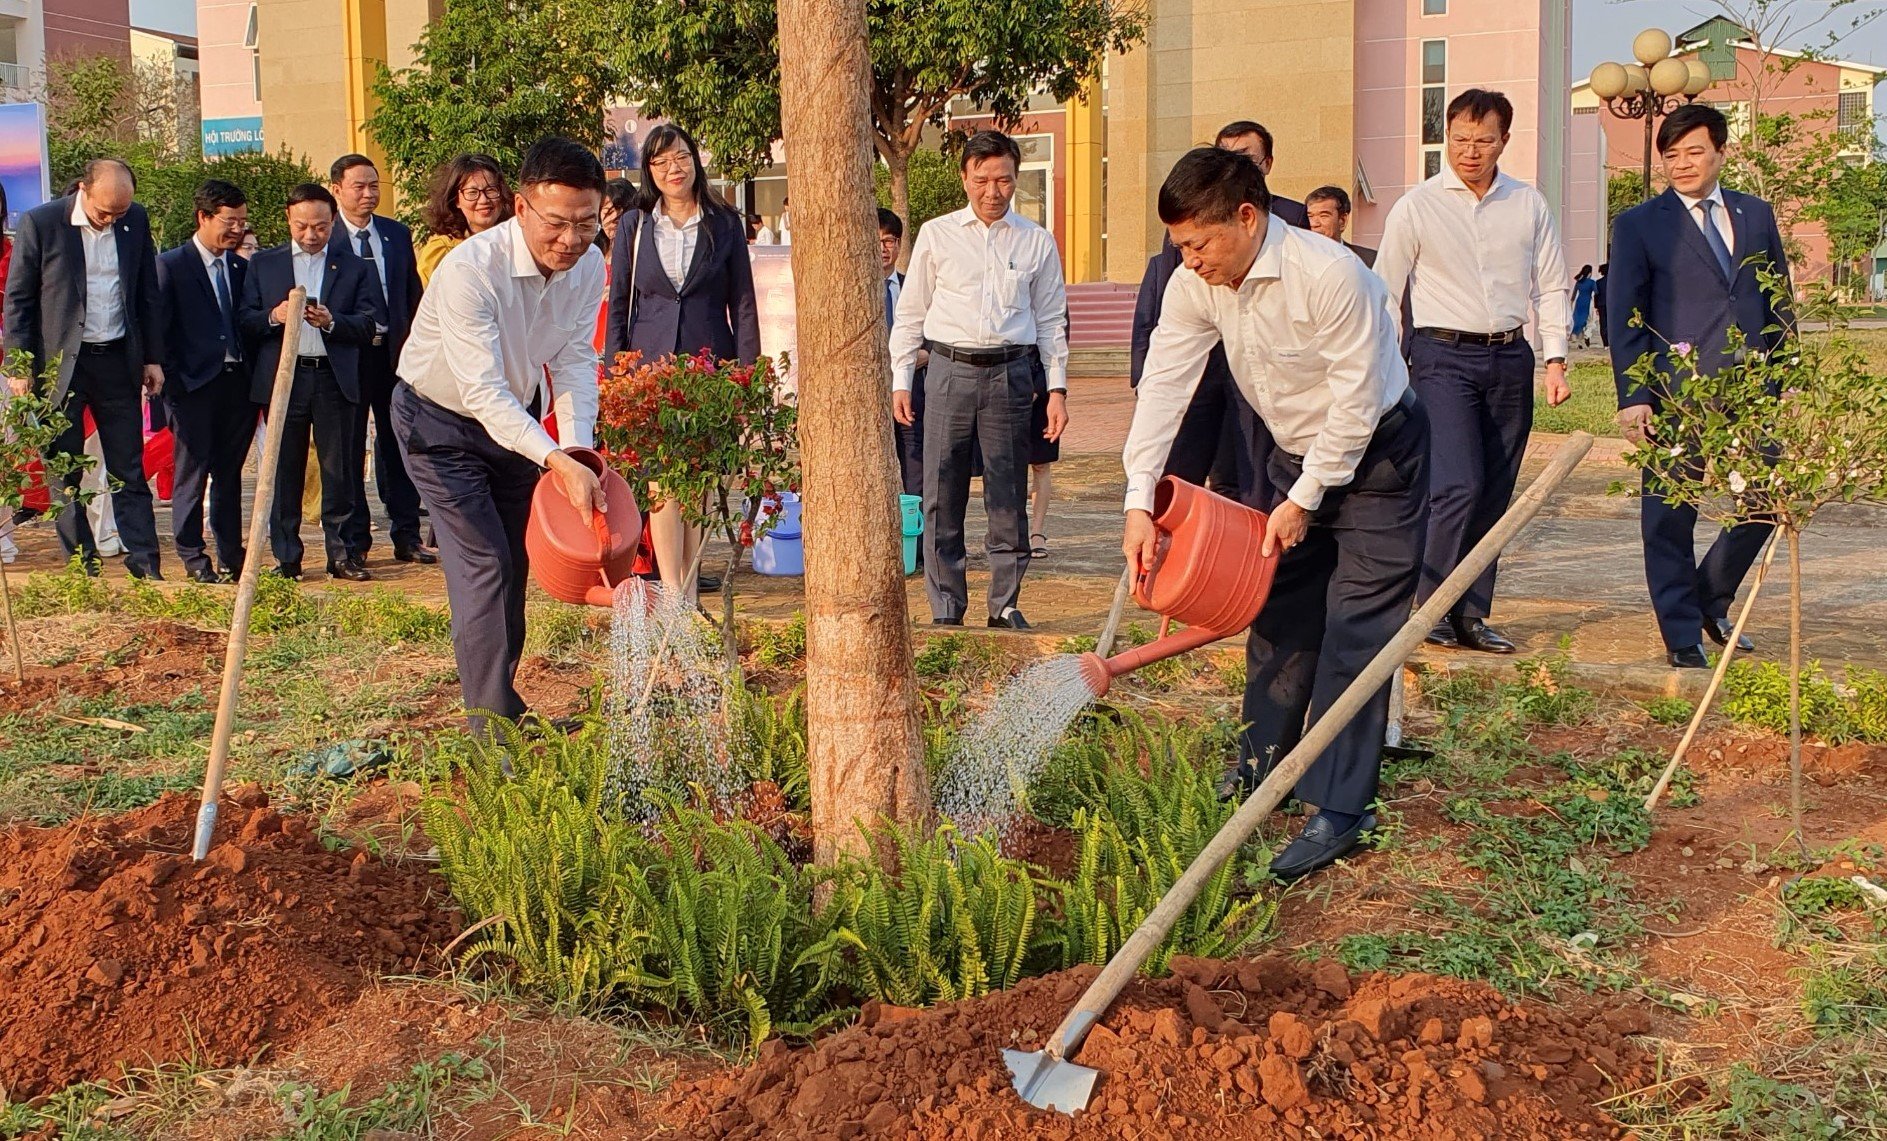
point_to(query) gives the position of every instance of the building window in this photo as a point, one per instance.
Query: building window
(249, 30)
(1852, 119)
(1434, 7)
(1434, 104)
(255, 75)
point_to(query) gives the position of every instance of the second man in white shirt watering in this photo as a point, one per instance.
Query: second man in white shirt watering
(1476, 251)
(984, 294)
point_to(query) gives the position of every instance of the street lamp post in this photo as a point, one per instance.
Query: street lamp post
(1656, 85)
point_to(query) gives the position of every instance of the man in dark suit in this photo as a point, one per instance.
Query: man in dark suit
(342, 311)
(83, 289)
(212, 419)
(1328, 208)
(1254, 142)
(1220, 445)
(1687, 264)
(909, 438)
(387, 247)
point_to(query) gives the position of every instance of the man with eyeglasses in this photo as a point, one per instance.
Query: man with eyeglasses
(503, 306)
(1475, 251)
(910, 437)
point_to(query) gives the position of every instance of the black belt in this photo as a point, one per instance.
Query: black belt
(1457, 337)
(316, 363)
(1398, 412)
(99, 348)
(981, 358)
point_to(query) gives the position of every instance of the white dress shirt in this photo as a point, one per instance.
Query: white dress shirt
(210, 261)
(489, 324)
(980, 286)
(311, 271)
(764, 236)
(1478, 264)
(1311, 345)
(104, 289)
(675, 243)
(1719, 214)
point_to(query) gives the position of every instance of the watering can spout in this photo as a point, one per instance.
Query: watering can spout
(1211, 575)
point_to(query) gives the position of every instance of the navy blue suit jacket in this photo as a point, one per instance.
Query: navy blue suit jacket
(195, 342)
(346, 289)
(714, 309)
(1662, 268)
(401, 298)
(45, 292)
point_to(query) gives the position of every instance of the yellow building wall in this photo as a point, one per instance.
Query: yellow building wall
(1289, 65)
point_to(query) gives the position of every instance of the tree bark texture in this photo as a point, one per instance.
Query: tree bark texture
(865, 738)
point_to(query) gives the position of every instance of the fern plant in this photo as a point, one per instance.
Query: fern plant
(936, 918)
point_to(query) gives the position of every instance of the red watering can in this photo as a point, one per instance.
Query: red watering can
(1209, 574)
(579, 556)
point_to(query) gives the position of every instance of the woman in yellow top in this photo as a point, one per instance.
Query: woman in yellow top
(468, 196)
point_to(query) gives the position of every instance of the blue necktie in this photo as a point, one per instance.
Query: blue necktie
(221, 280)
(1714, 237)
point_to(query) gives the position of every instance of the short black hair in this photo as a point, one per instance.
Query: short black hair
(620, 193)
(1688, 118)
(345, 163)
(215, 194)
(989, 144)
(1477, 104)
(312, 192)
(1331, 194)
(1239, 128)
(95, 167)
(890, 223)
(565, 162)
(1209, 184)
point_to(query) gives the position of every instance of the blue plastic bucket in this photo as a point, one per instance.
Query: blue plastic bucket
(781, 550)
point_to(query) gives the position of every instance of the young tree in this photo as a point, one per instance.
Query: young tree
(715, 65)
(1775, 436)
(865, 745)
(28, 425)
(494, 76)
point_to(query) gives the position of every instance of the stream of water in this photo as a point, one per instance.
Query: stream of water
(1005, 749)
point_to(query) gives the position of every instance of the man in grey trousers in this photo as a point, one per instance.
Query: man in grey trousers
(984, 295)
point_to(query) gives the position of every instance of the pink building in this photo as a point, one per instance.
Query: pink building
(231, 76)
(1412, 56)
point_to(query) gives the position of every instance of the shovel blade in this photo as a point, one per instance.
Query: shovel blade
(1047, 1083)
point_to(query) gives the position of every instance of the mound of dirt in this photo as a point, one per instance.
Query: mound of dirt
(118, 950)
(158, 660)
(1250, 1049)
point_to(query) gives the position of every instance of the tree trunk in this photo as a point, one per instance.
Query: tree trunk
(865, 742)
(13, 630)
(898, 160)
(1795, 687)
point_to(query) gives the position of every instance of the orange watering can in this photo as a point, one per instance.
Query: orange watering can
(579, 556)
(1208, 574)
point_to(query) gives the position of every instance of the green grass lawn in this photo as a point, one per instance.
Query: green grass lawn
(1593, 405)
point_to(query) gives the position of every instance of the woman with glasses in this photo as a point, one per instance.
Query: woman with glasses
(468, 196)
(680, 283)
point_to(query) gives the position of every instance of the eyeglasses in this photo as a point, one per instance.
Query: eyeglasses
(584, 231)
(673, 160)
(488, 194)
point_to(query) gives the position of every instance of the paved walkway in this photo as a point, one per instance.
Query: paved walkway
(1575, 573)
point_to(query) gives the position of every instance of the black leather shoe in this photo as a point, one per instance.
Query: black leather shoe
(1318, 846)
(946, 621)
(351, 569)
(93, 566)
(1690, 658)
(1010, 619)
(289, 571)
(1443, 635)
(150, 574)
(1474, 634)
(208, 576)
(417, 553)
(708, 583)
(1239, 782)
(1720, 630)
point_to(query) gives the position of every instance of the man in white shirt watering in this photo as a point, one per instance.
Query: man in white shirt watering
(1476, 250)
(503, 306)
(984, 294)
(1313, 352)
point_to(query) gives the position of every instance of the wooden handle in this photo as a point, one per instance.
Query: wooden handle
(1126, 961)
(251, 573)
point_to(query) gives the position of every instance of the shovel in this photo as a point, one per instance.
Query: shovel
(1392, 746)
(1046, 1078)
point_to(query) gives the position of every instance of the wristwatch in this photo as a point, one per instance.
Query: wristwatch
(1555, 360)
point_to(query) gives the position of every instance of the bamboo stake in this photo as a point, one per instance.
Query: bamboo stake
(251, 574)
(1716, 677)
(1126, 962)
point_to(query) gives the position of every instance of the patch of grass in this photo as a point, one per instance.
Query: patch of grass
(1844, 992)
(778, 645)
(405, 1105)
(1592, 408)
(958, 659)
(1670, 710)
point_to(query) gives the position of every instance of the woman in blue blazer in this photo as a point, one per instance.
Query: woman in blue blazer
(679, 282)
